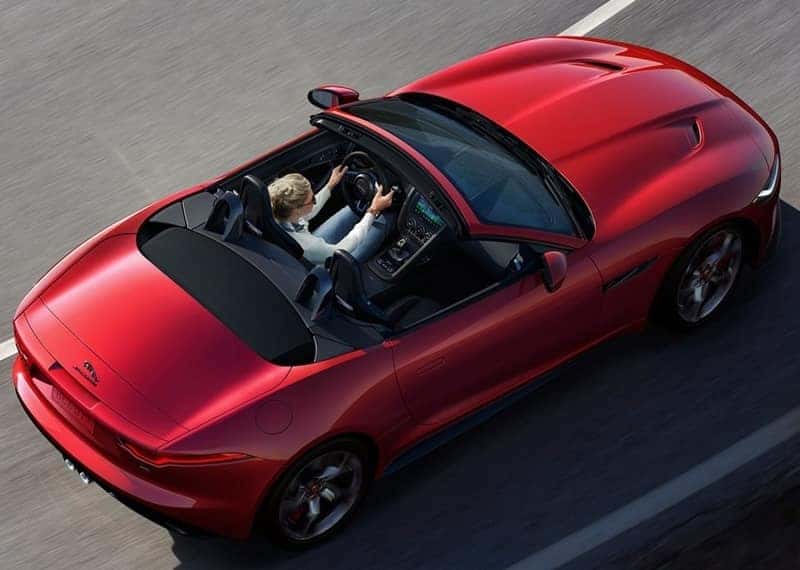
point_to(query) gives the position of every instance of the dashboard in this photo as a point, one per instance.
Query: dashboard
(424, 221)
(419, 224)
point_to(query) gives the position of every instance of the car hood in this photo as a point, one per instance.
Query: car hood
(150, 343)
(614, 119)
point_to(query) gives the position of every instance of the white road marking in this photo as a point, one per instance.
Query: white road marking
(600, 15)
(133, 175)
(668, 495)
(7, 349)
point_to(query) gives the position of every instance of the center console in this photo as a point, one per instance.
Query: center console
(418, 224)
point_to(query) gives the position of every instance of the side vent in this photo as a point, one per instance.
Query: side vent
(695, 134)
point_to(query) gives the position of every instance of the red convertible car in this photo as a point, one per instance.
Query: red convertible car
(550, 194)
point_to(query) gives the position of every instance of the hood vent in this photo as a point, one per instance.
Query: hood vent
(606, 65)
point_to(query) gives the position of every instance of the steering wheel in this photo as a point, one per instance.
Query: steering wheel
(360, 180)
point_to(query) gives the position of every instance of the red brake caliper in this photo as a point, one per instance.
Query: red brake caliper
(298, 513)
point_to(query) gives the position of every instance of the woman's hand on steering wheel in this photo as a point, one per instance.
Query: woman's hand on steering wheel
(380, 201)
(336, 176)
(363, 180)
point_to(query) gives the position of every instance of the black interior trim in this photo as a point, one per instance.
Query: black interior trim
(172, 215)
(436, 283)
(197, 207)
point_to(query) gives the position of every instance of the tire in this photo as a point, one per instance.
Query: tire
(284, 525)
(695, 290)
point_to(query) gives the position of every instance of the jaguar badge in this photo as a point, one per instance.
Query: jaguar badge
(87, 371)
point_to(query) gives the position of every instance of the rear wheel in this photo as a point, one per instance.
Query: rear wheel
(318, 494)
(703, 278)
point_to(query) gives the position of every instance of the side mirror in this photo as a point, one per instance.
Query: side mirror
(327, 96)
(555, 269)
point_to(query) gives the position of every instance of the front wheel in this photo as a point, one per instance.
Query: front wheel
(702, 279)
(318, 494)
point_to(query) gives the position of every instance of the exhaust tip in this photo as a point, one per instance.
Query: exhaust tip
(85, 479)
(69, 465)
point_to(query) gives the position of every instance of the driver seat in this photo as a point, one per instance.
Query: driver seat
(348, 289)
(259, 220)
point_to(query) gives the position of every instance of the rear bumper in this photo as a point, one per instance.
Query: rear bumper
(130, 502)
(166, 506)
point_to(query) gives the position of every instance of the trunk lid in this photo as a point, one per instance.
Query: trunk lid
(160, 358)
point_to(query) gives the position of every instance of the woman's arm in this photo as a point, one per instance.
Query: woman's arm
(357, 234)
(317, 250)
(379, 203)
(323, 195)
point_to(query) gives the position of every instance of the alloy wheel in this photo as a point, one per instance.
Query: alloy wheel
(324, 490)
(709, 276)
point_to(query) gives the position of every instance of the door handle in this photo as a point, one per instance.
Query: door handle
(430, 366)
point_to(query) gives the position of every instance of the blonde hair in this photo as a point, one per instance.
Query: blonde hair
(287, 193)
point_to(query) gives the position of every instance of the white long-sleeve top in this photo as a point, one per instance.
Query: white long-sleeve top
(316, 249)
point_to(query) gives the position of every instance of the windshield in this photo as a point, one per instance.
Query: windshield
(499, 187)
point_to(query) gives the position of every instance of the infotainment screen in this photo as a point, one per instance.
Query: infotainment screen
(424, 209)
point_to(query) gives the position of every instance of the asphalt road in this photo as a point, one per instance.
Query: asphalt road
(105, 108)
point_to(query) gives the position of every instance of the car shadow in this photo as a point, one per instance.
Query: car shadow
(623, 419)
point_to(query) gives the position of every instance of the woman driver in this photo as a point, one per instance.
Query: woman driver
(294, 203)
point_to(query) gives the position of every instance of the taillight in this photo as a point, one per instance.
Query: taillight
(159, 459)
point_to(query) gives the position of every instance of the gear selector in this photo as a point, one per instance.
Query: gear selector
(398, 251)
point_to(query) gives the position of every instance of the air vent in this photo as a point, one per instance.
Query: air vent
(695, 134)
(607, 65)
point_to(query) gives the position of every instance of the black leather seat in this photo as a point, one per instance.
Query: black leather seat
(348, 288)
(259, 220)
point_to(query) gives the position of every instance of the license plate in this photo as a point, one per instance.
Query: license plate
(73, 411)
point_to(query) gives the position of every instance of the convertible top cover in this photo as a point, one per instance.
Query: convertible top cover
(234, 291)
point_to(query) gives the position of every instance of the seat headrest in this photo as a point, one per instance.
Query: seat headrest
(348, 287)
(255, 199)
(226, 217)
(258, 217)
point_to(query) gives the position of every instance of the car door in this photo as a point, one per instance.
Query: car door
(452, 364)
